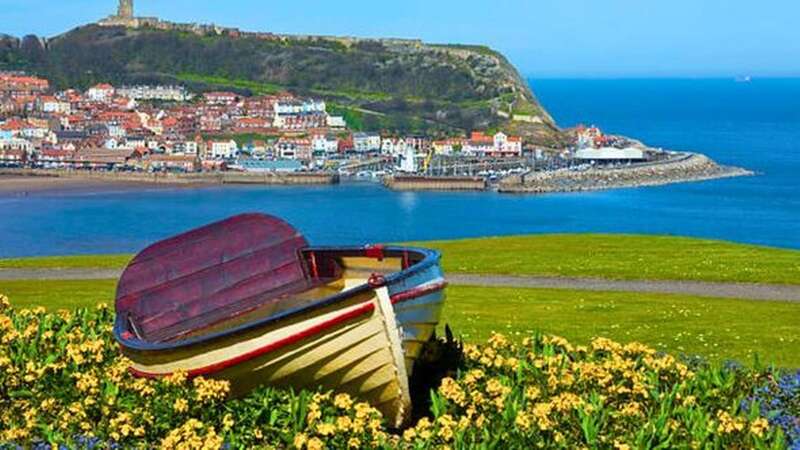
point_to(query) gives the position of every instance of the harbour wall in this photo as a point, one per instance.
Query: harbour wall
(681, 167)
(423, 183)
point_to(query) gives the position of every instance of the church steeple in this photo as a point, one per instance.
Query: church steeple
(125, 10)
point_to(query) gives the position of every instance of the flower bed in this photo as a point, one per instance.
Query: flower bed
(63, 381)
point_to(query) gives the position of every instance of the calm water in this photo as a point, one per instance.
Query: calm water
(753, 125)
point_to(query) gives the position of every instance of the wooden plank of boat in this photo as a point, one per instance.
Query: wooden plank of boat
(354, 347)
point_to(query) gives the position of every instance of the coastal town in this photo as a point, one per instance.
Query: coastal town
(156, 129)
(222, 134)
(167, 128)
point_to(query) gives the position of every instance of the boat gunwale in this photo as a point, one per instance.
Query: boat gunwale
(431, 258)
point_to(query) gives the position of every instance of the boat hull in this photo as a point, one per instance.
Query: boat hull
(353, 347)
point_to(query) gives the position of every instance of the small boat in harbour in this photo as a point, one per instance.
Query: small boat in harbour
(248, 300)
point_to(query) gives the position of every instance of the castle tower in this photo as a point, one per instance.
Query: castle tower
(125, 10)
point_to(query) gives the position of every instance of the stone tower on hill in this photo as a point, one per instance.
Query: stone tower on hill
(125, 10)
(125, 17)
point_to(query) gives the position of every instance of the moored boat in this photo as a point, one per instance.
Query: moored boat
(248, 300)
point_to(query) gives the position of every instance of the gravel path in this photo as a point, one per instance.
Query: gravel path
(746, 291)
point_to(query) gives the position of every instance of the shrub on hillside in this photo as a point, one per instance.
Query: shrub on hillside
(63, 382)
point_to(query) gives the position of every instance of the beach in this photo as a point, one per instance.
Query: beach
(12, 185)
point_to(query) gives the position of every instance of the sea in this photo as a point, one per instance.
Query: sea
(754, 125)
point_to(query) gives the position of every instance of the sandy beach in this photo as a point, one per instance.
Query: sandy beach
(11, 185)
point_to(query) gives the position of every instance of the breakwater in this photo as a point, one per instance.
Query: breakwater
(423, 183)
(209, 178)
(678, 168)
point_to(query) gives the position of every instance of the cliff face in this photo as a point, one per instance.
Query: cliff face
(389, 84)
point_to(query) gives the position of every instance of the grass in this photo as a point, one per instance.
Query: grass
(717, 329)
(621, 257)
(67, 262)
(618, 257)
(59, 294)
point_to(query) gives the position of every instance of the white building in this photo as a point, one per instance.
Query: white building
(610, 154)
(326, 145)
(366, 142)
(165, 93)
(408, 160)
(52, 105)
(222, 150)
(295, 107)
(336, 122)
(100, 93)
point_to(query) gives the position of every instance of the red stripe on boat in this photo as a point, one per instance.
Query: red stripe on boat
(396, 298)
(417, 292)
(365, 309)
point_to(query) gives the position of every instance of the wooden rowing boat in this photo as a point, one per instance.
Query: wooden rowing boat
(248, 300)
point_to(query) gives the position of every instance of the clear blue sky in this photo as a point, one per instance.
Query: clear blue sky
(544, 38)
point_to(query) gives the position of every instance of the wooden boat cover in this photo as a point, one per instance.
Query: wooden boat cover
(195, 279)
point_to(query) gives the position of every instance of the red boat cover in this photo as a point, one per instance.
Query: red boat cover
(193, 280)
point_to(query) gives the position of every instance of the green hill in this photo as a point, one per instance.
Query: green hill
(379, 84)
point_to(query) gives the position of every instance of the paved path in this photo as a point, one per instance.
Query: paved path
(747, 291)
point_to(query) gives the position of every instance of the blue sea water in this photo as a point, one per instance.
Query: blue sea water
(754, 125)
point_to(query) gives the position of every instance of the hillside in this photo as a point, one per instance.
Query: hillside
(386, 84)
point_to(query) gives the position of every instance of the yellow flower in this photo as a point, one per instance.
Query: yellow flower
(631, 409)
(759, 426)
(453, 392)
(523, 421)
(211, 390)
(180, 405)
(729, 424)
(227, 422)
(621, 446)
(299, 440)
(315, 444)
(326, 429)
(342, 401)
(409, 435)
(176, 378)
(343, 423)
(4, 303)
(354, 442)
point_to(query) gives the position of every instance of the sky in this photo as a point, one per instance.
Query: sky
(543, 38)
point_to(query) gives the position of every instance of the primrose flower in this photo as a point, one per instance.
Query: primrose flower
(759, 426)
(453, 392)
(210, 390)
(4, 303)
(300, 440)
(315, 444)
(326, 429)
(342, 401)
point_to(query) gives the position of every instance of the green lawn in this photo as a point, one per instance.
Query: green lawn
(55, 295)
(718, 329)
(67, 262)
(578, 255)
(634, 257)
